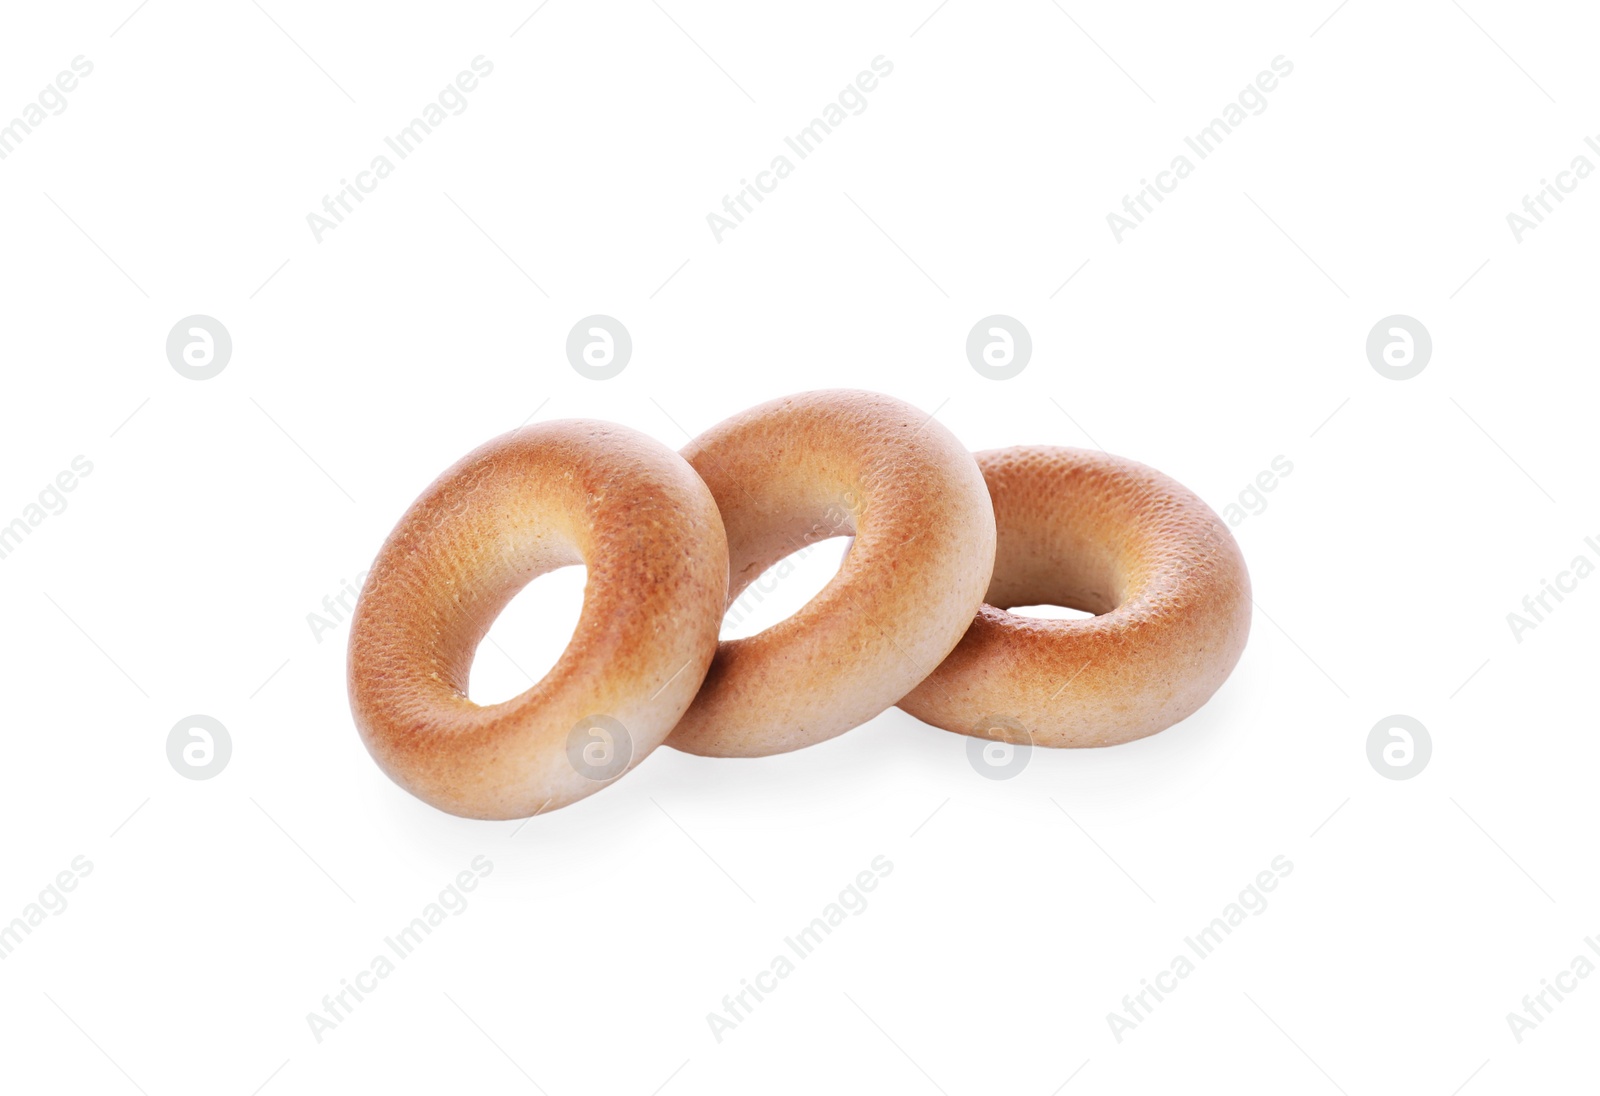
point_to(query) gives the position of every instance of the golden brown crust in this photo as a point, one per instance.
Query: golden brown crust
(1109, 536)
(823, 464)
(541, 497)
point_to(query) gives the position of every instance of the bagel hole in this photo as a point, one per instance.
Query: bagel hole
(528, 637)
(1049, 612)
(782, 589)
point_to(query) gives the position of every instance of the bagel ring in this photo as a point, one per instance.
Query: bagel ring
(528, 502)
(1107, 536)
(824, 464)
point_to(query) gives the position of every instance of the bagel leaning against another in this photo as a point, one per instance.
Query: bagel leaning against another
(823, 464)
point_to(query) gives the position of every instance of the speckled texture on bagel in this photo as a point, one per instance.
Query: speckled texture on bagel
(1109, 536)
(538, 498)
(822, 464)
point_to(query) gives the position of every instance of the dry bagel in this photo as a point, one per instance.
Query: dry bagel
(538, 498)
(1108, 536)
(823, 464)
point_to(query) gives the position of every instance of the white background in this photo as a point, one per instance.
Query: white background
(1223, 332)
